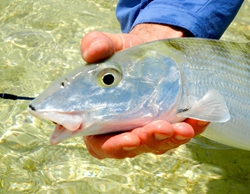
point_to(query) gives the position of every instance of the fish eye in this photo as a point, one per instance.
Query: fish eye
(109, 77)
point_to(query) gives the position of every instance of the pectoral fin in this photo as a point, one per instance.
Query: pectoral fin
(212, 107)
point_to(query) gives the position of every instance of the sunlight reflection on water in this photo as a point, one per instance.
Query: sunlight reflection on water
(39, 42)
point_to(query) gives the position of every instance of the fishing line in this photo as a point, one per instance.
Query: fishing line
(14, 97)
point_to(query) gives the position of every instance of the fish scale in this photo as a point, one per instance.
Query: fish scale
(228, 72)
(170, 79)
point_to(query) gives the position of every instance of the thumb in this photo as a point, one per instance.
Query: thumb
(97, 46)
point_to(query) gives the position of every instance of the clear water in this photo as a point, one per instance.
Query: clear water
(39, 41)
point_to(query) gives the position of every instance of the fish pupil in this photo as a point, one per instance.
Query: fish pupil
(108, 79)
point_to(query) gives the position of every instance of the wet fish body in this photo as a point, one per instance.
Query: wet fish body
(171, 79)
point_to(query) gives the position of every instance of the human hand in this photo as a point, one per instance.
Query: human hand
(96, 46)
(156, 137)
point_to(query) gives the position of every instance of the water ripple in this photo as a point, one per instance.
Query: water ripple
(39, 41)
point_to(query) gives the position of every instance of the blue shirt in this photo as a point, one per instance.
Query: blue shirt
(203, 18)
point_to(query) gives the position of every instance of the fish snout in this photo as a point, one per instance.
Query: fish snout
(72, 121)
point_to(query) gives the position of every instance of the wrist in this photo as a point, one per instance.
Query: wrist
(151, 31)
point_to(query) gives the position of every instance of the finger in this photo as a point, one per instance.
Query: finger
(171, 136)
(155, 131)
(97, 46)
(183, 132)
(198, 126)
(152, 137)
(94, 144)
(160, 136)
(112, 146)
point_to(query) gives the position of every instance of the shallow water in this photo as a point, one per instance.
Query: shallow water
(39, 41)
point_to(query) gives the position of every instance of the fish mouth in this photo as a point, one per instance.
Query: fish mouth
(61, 133)
(68, 124)
(70, 120)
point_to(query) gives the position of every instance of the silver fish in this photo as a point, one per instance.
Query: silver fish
(170, 79)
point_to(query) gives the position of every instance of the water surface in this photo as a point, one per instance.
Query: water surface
(39, 41)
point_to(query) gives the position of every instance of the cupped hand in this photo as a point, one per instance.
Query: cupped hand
(156, 137)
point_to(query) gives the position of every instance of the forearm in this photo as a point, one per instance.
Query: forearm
(150, 32)
(204, 18)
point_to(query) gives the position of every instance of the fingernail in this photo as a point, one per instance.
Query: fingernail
(180, 137)
(159, 136)
(128, 148)
(202, 123)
